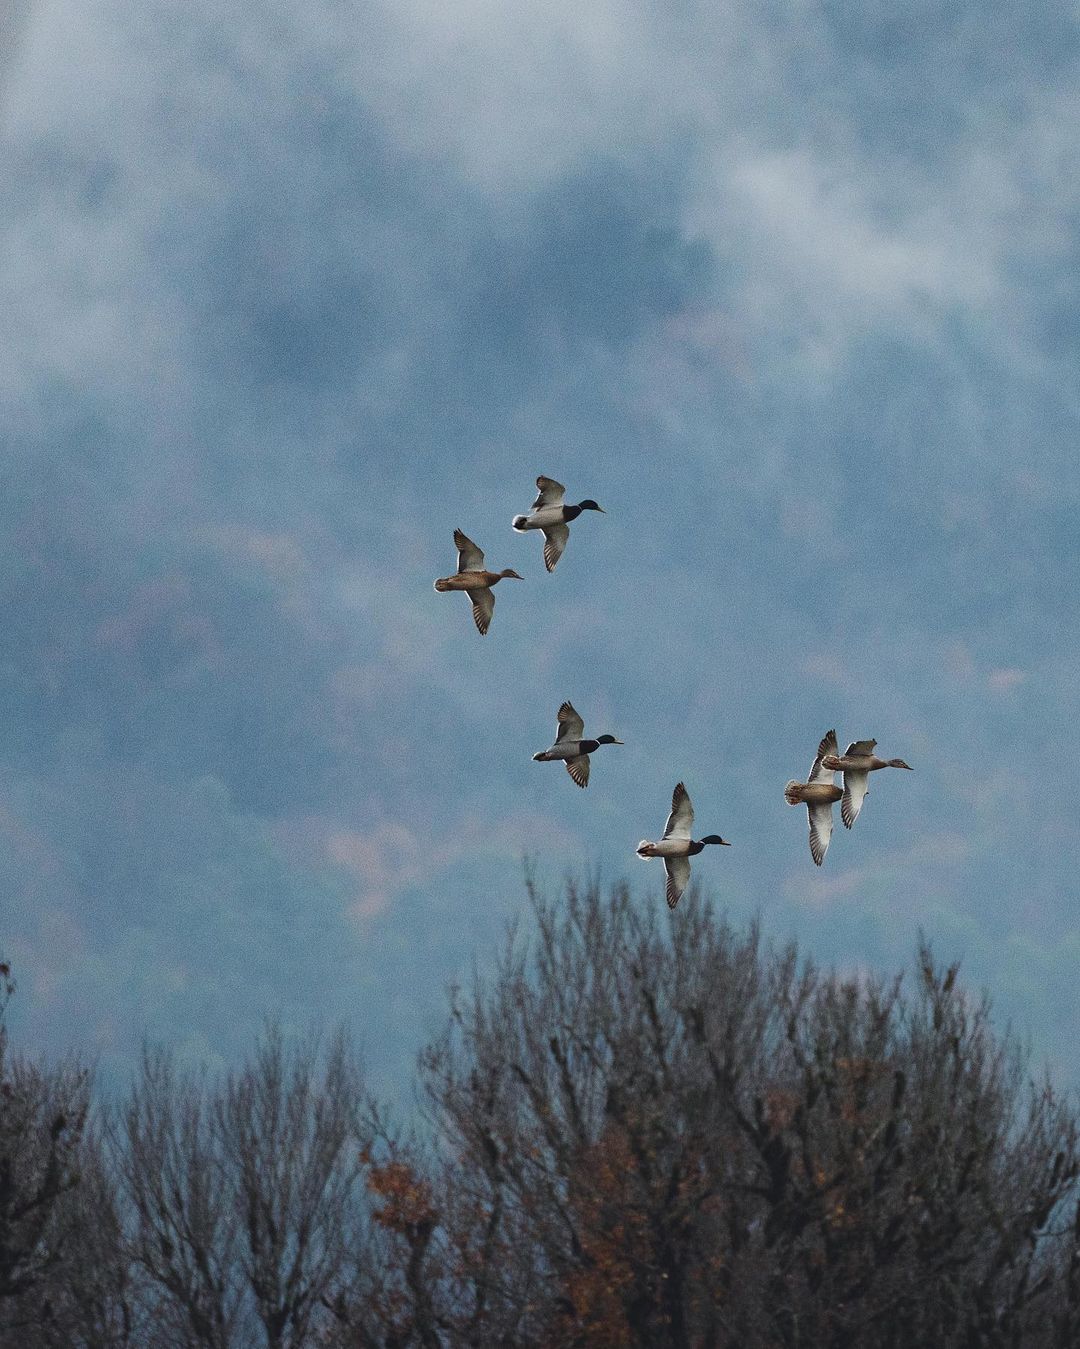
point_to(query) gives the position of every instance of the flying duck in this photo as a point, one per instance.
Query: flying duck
(677, 847)
(817, 793)
(549, 513)
(474, 580)
(857, 762)
(571, 745)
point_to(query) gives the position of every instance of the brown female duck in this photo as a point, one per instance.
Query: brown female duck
(472, 577)
(817, 794)
(856, 763)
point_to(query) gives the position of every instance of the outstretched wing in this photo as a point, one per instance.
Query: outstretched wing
(681, 819)
(551, 493)
(571, 726)
(855, 786)
(579, 769)
(817, 772)
(555, 537)
(483, 606)
(821, 819)
(861, 747)
(469, 557)
(678, 878)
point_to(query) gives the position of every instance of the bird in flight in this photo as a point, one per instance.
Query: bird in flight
(817, 793)
(571, 745)
(677, 847)
(857, 762)
(550, 514)
(472, 577)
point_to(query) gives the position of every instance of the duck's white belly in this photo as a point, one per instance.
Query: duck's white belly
(672, 847)
(565, 749)
(546, 515)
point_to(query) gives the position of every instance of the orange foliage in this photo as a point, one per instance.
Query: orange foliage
(610, 1226)
(407, 1205)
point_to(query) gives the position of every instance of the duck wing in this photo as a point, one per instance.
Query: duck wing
(571, 726)
(579, 769)
(555, 538)
(678, 878)
(681, 820)
(817, 772)
(861, 747)
(821, 822)
(469, 557)
(855, 786)
(483, 606)
(550, 493)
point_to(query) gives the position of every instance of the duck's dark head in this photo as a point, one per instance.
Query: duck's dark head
(590, 505)
(511, 575)
(607, 740)
(899, 763)
(715, 838)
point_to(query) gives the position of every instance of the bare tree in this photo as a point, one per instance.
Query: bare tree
(95, 1299)
(43, 1112)
(183, 1220)
(659, 1132)
(286, 1126)
(644, 1130)
(240, 1193)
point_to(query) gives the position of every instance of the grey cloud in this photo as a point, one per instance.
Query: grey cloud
(13, 18)
(276, 344)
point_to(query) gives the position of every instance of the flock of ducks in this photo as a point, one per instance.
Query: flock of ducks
(551, 514)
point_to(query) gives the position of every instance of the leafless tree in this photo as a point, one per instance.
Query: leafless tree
(240, 1193)
(94, 1300)
(644, 1130)
(184, 1227)
(43, 1113)
(653, 1131)
(287, 1131)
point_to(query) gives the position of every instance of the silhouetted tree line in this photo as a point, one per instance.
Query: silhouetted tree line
(641, 1131)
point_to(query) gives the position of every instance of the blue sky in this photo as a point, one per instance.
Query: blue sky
(292, 291)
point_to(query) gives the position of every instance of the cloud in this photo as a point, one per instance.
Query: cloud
(12, 26)
(299, 292)
(1003, 681)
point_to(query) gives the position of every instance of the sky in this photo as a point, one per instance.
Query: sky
(290, 291)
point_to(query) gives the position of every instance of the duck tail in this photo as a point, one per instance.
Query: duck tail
(793, 793)
(441, 585)
(641, 850)
(541, 757)
(519, 523)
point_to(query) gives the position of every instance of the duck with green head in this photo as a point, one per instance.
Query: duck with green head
(572, 747)
(677, 847)
(550, 513)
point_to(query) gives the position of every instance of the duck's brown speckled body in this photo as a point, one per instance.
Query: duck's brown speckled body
(474, 578)
(856, 763)
(817, 794)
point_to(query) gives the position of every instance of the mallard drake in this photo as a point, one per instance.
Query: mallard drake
(474, 580)
(817, 793)
(549, 513)
(571, 745)
(856, 763)
(677, 847)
